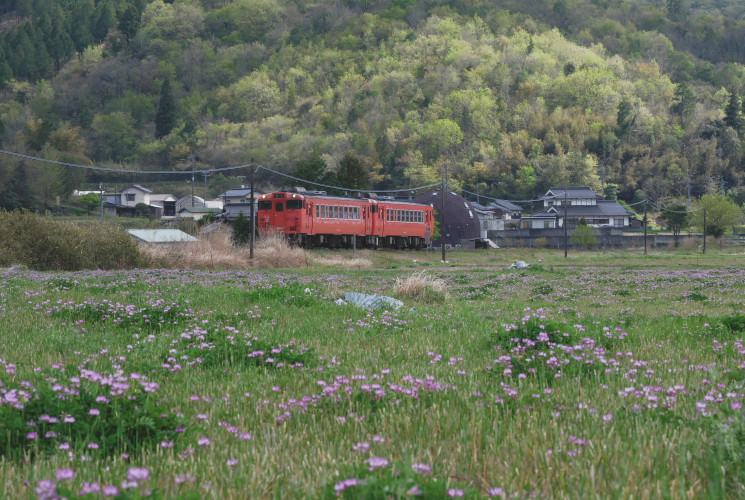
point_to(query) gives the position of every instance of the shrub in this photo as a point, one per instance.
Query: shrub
(43, 243)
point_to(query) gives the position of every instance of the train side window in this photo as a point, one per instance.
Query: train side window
(265, 205)
(318, 211)
(294, 204)
(279, 207)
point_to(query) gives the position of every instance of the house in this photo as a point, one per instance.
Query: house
(574, 203)
(197, 213)
(505, 210)
(238, 195)
(159, 205)
(237, 201)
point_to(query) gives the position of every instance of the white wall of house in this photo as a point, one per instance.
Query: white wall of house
(132, 196)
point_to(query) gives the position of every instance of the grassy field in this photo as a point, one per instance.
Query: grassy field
(604, 375)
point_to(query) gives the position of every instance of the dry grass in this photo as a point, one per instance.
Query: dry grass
(216, 251)
(423, 286)
(342, 262)
(273, 251)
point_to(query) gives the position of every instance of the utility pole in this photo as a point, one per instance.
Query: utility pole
(100, 194)
(206, 194)
(253, 214)
(704, 229)
(192, 182)
(442, 215)
(566, 238)
(688, 196)
(645, 227)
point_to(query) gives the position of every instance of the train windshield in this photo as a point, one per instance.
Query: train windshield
(265, 205)
(294, 204)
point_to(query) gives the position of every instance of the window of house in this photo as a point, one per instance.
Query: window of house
(618, 222)
(130, 197)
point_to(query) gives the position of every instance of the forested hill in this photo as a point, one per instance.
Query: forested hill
(640, 96)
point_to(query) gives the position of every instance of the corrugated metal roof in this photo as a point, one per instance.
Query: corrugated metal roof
(161, 235)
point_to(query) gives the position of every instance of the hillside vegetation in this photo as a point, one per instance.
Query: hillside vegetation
(640, 98)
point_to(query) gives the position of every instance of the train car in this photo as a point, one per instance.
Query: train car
(312, 218)
(405, 224)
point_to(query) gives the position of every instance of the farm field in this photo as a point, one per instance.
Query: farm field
(599, 376)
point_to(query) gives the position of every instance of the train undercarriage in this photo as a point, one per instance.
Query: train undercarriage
(356, 241)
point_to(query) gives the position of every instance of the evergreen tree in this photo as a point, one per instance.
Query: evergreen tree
(312, 169)
(241, 230)
(733, 112)
(165, 118)
(352, 173)
(80, 25)
(625, 118)
(683, 101)
(105, 20)
(129, 21)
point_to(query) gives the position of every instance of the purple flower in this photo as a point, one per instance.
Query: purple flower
(110, 491)
(47, 490)
(422, 469)
(455, 492)
(64, 474)
(347, 483)
(232, 462)
(138, 474)
(376, 462)
(495, 492)
(31, 435)
(204, 441)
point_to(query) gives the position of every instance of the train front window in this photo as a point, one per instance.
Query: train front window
(265, 205)
(279, 207)
(294, 204)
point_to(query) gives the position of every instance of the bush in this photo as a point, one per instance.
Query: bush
(43, 243)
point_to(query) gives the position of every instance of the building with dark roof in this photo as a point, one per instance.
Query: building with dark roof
(461, 220)
(574, 203)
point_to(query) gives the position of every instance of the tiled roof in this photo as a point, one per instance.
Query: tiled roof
(604, 208)
(571, 192)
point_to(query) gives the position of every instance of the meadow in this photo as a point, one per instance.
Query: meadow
(600, 376)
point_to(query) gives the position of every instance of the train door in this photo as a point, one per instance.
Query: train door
(278, 214)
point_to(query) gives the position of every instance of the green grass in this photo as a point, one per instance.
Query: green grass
(602, 376)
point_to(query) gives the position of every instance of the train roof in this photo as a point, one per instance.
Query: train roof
(322, 195)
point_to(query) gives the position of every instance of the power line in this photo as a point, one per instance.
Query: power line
(204, 172)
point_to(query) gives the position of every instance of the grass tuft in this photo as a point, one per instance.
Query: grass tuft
(423, 286)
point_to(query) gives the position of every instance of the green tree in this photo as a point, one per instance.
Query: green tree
(165, 118)
(733, 112)
(352, 173)
(312, 169)
(129, 21)
(584, 236)
(625, 118)
(676, 217)
(113, 137)
(105, 20)
(721, 213)
(241, 230)
(90, 201)
(684, 101)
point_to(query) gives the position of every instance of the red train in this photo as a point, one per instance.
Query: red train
(312, 218)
